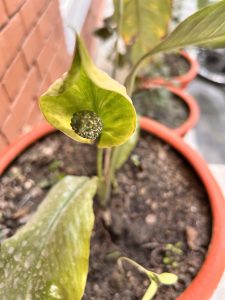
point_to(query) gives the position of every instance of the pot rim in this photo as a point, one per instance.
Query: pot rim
(191, 73)
(209, 275)
(194, 111)
(181, 80)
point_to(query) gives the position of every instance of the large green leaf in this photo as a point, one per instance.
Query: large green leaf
(204, 28)
(203, 3)
(48, 257)
(87, 89)
(143, 24)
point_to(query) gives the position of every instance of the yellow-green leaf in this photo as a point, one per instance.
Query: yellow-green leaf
(151, 291)
(48, 257)
(143, 24)
(167, 278)
(86, 90)
(205, 28)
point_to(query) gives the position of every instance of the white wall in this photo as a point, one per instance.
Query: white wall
(73, 13)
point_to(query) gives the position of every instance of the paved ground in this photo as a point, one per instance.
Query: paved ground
(209, 135)
(208, 138)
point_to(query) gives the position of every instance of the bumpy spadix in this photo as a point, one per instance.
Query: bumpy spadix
(87, 105)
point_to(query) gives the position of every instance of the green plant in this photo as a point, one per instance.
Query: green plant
(48, 258)
(155, 279)
(172, 254)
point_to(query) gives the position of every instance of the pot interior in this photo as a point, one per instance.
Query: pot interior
(159, 213)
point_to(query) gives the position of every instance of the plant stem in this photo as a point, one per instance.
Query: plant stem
(104, 175)
(135, 264)
(105, 178)
(99, 162)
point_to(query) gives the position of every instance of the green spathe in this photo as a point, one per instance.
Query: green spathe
(86, 88)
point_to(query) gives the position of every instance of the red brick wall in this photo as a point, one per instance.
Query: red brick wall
(32, 55)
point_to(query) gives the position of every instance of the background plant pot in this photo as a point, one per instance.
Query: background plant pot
(206, 281)
(181, 81)
(212, 64)
(210, 273)
(189, 101)
(12, 151)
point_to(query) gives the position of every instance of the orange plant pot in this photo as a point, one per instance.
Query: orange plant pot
(194, 111)
(208, 277)
(181, 81)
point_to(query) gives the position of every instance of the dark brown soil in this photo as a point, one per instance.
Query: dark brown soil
(161, 105)
(159, 214)
(168, 66)
(177, 64)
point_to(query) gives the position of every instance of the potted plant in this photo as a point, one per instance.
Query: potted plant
(48, 257)
(168, 105)
(177, 69)
(137, 37)
(170, 70)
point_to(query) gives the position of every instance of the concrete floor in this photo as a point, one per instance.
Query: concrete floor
(208, 138)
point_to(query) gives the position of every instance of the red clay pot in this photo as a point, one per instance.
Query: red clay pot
(181, 81)
(191, 103)
(207, 279)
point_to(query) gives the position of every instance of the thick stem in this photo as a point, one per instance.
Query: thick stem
(99, 162)
(106, 176)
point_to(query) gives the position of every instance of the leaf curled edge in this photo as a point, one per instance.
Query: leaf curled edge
(87, 88)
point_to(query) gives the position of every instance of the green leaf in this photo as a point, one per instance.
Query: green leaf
(203, 3)
(143, 24)
(48, 257)
(122, 153)
(205, 28)
(87, 89)
(167, 278)
(151, 291)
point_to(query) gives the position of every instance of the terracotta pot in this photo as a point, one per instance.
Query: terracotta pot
(181, 81)
(191, 103)
(207, 279)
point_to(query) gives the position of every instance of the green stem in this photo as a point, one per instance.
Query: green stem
(105, 178)
(107, 175)
(135, 264)
(129, 83)
(99, 163)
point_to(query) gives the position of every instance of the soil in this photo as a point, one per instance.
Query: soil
(161, 105)
(168, 66)
(159, 213)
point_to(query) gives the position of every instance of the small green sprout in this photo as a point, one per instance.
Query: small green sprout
(136, 160)
(172, 253)
(155, 279)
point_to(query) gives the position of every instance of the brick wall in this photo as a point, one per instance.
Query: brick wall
(32, 55)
